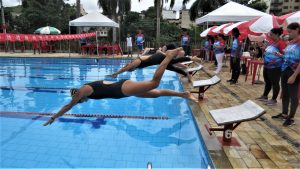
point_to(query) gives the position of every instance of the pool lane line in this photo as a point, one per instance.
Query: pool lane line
(86, 115)
(56, 77)
(36, 89)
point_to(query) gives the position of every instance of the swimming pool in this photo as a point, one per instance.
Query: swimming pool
(112, 133)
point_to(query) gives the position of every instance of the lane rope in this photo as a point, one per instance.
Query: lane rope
(86, 115)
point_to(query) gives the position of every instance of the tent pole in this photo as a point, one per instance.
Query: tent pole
(97, 42)
(69, 42)
(206, 25)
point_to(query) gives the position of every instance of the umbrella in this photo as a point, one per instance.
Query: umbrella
(228, 29)
(262, 24)
(47, 30)
(220, 28)
(289, 18)
(208, 31)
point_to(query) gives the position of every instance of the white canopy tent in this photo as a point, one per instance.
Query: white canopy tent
(94, 19)
(230, 12)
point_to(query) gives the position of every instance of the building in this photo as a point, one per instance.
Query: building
(268, 3)
(169, 14)
(171, 17)
(281, 7)
(290, 6)
(82, 11)
(185, 19)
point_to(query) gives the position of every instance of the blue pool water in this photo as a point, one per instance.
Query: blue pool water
(30, 87)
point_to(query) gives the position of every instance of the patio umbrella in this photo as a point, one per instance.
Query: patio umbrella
(208, 31)
(47, 30)
(262, 24)
(228, 29)
(220, 28)
(284, 20)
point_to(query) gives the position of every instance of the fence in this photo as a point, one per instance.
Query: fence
(63, 46)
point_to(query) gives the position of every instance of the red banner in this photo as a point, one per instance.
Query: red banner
(34, 38)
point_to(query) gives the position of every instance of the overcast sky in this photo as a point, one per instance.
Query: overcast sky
(91, 5)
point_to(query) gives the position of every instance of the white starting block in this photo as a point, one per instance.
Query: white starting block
(187, 62)
(205, 84)
(234, 115)
(195, 69)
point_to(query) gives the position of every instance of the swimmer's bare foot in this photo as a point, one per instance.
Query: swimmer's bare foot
(190, 96)
(196, 59)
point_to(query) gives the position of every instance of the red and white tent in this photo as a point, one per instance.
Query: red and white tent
(220, 29)
(262, 24)
(208, 31)
(228, 29)
(284, 20)
(256, 26)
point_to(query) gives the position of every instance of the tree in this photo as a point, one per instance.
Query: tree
(158, 4)
(39, 13)
(205, 6)
(114, 8)
(259, 5)
(132, 22)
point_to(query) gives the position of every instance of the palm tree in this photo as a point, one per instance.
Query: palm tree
(77, 12)
(204, 6)
(159, 5)
(113, 9)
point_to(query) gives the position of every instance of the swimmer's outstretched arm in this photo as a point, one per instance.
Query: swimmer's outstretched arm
(135, 63)
(66, 108)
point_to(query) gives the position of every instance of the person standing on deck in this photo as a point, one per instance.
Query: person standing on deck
(290, 76)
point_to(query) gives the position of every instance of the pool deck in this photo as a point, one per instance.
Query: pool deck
(264, 143)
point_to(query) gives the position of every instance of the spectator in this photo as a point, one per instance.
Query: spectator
(235, 57)
(185, 42)
(140, 39)
(219, 46)
(129, 44)
(272, 66)
(290, 76)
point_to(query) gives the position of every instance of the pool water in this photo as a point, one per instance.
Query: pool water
(111, 133)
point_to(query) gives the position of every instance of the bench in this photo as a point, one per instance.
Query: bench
(231, 117)
(204, 85)
(194, 70)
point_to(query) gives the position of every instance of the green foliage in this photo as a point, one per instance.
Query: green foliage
(132, 23)
(150, 12)
(8, 19)
(194, 33)
(255, 4)
(259, 5)
(39, 13)
(206, 6)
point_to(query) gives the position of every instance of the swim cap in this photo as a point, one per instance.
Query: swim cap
(73, 91)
